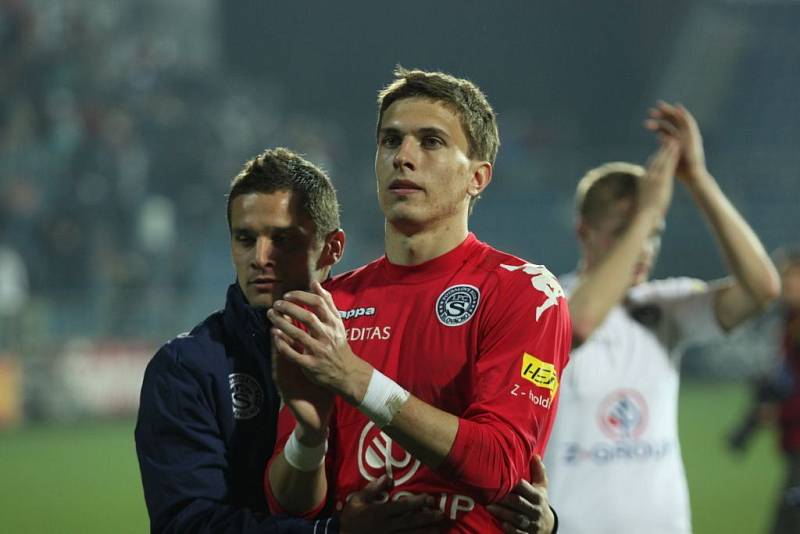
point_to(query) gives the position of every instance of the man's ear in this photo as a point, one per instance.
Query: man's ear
(332, 249)
(481, 177)
(582, 230)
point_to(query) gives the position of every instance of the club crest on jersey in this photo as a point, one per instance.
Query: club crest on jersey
(378, 454)
(623, 414)
(457, 304)
(246, 395)
(540, 373)
(541, 280)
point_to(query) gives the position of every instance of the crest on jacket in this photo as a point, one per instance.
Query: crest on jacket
(246, 395)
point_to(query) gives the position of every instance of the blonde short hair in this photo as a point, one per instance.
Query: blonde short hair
(603, 185)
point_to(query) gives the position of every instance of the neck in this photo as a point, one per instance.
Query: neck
(404, 247)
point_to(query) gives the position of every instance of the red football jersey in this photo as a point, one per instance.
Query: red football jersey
(476, 332)
(790, 406)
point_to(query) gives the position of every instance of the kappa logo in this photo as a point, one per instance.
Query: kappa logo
(246, 395)
(378, 455)
(457, 304)
(541, 373)
(357, 312)
(541, 280)
(623, 414)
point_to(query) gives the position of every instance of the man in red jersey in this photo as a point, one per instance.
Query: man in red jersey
(444, 355)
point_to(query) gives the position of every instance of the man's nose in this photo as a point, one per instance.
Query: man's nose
(263, 253)
(405, 156)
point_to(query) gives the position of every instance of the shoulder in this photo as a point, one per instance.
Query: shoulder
(196, 351)
(512, 274)
(353, 278)
(666, 290)
(520, 282)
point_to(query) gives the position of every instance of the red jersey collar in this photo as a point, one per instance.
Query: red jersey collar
(447, 263)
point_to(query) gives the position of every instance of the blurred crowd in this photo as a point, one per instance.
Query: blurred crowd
(122, 123)
(117, 142)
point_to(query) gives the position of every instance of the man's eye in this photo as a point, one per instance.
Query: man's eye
(245, 240)
(431, 141)
(390, 141)
(284, 241)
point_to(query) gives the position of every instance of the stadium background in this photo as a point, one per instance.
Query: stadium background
(121, 124)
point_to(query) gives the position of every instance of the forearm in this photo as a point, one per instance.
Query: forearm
(745, 256)
(425, 431)
(480, 456)
(604, 286)
(483, 459)
(294, 490)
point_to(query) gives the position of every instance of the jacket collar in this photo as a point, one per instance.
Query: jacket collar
(248, 324)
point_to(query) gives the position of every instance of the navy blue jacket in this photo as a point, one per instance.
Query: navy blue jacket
(206, 428)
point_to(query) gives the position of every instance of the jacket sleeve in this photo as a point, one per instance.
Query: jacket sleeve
(524, 346)
(183, 460)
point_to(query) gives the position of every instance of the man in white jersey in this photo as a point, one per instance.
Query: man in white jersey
(614, 459)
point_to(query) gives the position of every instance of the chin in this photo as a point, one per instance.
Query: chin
(260, 300)
(402, 217)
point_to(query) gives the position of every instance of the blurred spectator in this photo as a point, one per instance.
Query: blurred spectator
(112, 137)
(13, 295)
(777, 393)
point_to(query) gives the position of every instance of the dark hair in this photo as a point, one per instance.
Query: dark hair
(280, 169)
(478, 119)
(603, 185)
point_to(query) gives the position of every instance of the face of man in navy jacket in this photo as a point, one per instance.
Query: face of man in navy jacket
(275, 246)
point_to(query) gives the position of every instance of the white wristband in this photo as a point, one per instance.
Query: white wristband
(304, 458)
(383, 399)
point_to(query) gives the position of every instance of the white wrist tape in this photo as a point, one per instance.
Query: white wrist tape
(383, 399)
(304, 458)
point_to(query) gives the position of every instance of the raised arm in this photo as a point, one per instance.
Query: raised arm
(603, 284)
(297, 482)
(754, 281)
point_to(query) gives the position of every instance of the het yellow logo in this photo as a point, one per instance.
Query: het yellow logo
(541, 373)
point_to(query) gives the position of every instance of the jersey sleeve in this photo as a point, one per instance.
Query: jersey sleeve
(693, 311)
(183, 460)
(525, 341)
(689, 305)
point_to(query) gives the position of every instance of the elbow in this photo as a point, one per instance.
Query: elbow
(768, 290)
(488, 463)
(585, 320)
(491, 491)
(489, 488)
(775, 287)
(494, 488)
(581, 330)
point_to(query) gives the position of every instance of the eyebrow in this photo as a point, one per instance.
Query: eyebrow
(432, 130)
(270, 229)
(425, 130)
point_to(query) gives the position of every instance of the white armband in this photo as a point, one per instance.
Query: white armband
(304, 458)
(383, 399)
